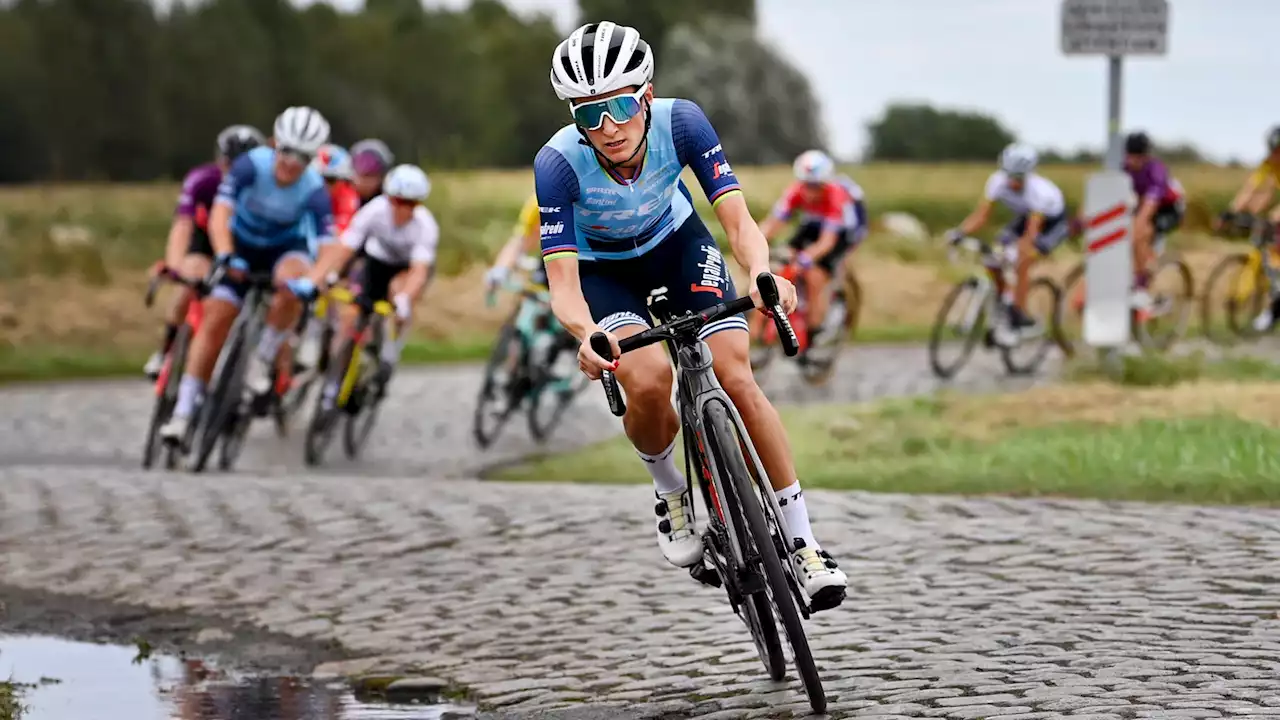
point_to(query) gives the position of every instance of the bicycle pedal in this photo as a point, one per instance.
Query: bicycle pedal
(705, 575)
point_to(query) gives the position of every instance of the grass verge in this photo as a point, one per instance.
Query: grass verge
(1196, 436)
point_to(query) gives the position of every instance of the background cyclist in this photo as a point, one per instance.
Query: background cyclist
(188, 250)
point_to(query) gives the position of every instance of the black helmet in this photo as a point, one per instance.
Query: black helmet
(238, 139)
(1273, 139)
(1137, 143)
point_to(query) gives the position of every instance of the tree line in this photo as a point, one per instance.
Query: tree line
(117, 90)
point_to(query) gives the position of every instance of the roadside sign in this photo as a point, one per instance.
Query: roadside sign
(1108, 269)
(1115, 27)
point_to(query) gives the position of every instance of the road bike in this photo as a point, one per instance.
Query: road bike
(1155, 328)
(981, 314)
(1242, 285)
(745, 542)
(844, 305)
(521, 372)
(361, 385)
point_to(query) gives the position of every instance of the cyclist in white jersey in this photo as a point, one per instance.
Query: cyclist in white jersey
(396, 237)
(1039, 226)
(617, 222)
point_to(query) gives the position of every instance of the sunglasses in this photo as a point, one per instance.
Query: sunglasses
(619, 108)
(403, 202)
(296, 155)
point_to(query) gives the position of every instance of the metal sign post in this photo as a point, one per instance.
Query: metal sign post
(1113, 28)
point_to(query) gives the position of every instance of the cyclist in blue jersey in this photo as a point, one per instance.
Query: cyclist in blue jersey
(618, 222)
(270, 206)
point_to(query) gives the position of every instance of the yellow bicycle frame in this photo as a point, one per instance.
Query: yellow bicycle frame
(352, 374)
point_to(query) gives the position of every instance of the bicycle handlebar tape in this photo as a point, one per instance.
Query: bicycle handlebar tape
(769, 298)
(600, 345)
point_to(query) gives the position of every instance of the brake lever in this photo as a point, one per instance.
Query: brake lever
(770, 298)
(617, 406)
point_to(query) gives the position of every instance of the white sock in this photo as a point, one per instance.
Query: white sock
(189, 391)
(796, 514)
(270, 343)
(389, 353)
(666, 477)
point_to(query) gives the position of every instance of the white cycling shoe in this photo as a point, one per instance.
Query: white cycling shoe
(175, 429)
(677, 536)
(154, 364)
(257, 376)
(824, 582)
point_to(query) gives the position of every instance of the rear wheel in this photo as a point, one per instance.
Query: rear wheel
(1070, 329)
(1043, 303)
(962, 318)
(725, 448)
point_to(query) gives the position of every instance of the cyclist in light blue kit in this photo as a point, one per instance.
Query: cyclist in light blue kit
(617, 222)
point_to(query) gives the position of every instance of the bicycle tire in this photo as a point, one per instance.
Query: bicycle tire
(936, 340)
(166, 399)
(315, 442)
(1235, 330)
(1042, 345)
(816, 372)
(354, 433)
(540, 427)
(1068, 340)
(235, 428)
(483, 436)
(217, 405)
(1161, 343)
(724, 445)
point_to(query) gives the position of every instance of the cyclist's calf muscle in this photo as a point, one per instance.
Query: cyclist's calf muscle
(732, 365)
(219, 314)
(651, 421)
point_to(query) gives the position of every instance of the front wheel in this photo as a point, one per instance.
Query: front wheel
(166, 399)
(1070, 330)
(551, 397)
(497, 398)
(1172, 294)
(837, 328)
(1238, 286)
(326, 415)
(359, 425)
(962, 317)
(1043, 304)
(726, 450)
(221, 404)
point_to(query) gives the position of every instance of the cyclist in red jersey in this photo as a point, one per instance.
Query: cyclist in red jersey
(188, 250)
(828, 230)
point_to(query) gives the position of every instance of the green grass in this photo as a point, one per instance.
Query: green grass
(1165, 371)
(912, 446)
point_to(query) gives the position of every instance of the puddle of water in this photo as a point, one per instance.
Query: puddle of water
(92, 682)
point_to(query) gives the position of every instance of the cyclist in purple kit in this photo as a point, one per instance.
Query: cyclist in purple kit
(617, 222)
(1161, 204)
(188, 250)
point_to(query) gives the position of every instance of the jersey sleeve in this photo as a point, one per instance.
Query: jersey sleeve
(835, 203)
(188, 196)
(240, 176)
(424, 244)
(358, 229)
(345, 203)
(994, 183)
(320, 208)
(528, 222)
(698, 147)
(557, 190)
(1159, 176)
(786, 205)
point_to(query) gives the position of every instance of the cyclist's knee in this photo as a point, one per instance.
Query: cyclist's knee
(194, 266)
(646, 377)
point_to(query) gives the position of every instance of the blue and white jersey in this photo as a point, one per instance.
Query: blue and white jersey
(267, 215)
(592, 212)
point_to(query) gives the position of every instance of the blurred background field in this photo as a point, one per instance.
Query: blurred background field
(73, 257)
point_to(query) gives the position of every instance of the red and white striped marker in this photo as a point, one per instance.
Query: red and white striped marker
(1108, 209)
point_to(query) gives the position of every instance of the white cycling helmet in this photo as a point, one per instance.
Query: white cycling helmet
(407, 182)
(302, 129)
(1018, 159)
(599, 58)
(814, 166)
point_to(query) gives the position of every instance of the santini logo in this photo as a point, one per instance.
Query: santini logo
(549, 229)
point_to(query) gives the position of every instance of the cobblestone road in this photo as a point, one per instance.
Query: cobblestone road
(543, 596)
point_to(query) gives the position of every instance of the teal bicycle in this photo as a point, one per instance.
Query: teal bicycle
(528, 369)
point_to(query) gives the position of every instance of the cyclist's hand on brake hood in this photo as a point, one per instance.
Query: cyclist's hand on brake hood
(302, 288)
(786, 293)
(592, 364)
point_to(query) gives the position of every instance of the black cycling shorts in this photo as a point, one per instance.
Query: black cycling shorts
(807, 234)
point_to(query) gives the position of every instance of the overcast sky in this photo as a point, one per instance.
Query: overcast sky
(1217, 87)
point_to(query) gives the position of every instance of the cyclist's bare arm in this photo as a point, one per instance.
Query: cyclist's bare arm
(179, 240)
(1253, 195)
(333, 256)
(567, 301)
(517, 246)
(978, 218)
(1143, 227)
(750, 248)
(1035, 223)
(220, 228)
(416, 280)
(771, 226)
(825, 243)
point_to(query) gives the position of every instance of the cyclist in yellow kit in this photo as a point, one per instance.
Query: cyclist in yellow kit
(1252, 200)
